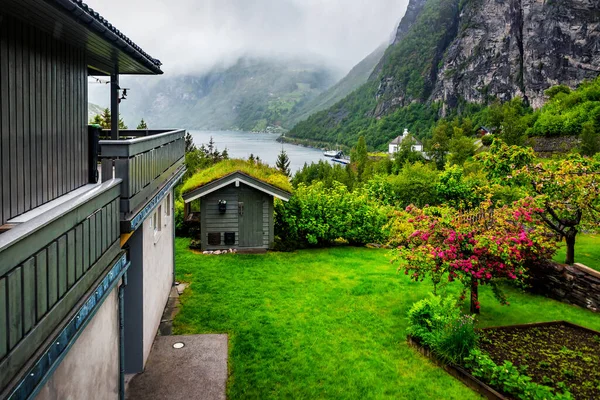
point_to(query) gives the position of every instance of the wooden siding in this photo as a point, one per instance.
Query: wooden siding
(213, 221)
(144, 164)
(43, 118)
(48, 271)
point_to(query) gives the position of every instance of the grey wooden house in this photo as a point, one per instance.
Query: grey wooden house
(236, 212)
(86, 264)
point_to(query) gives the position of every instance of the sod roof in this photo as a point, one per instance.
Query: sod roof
(260, 172)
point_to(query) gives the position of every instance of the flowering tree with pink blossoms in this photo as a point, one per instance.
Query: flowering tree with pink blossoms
(496, 245)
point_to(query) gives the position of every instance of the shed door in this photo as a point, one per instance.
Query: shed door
(250, 218)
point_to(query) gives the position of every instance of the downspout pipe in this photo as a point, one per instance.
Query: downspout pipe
(122, 337)
(173, 225)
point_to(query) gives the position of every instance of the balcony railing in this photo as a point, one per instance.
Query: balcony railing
(144, 163)
(48, 264)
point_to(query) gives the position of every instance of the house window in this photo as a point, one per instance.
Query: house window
(168, 206)
(156, 220)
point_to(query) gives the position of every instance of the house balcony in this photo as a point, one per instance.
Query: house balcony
(51, 260)
(149, 163)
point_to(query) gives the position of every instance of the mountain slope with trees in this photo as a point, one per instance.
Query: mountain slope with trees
(455, 57)
(355, 79)
(253, 95)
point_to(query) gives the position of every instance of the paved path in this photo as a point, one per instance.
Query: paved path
(196, 371)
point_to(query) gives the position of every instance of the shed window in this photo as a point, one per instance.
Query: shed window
(214, 238)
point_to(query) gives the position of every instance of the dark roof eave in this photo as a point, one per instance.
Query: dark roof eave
(95, 22)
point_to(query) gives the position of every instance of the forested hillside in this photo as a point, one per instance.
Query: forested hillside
(355, 79)
(457, 57)
(252, 95)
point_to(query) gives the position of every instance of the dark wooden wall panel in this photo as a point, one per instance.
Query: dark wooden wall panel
(43, 118)
(36, 289)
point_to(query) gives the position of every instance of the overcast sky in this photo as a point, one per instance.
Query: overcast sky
(189, 36)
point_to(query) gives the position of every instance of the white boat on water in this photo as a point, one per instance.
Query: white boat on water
(333, 153)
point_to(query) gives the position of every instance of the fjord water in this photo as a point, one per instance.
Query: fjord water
(264, 145)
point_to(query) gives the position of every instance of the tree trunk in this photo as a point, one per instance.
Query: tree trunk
(474, 296)
(570, 240)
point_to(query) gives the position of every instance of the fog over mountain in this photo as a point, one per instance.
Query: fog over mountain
(190, 36)
(201, 42)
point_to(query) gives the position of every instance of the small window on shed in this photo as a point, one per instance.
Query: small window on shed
(229, 238)
(214, 238)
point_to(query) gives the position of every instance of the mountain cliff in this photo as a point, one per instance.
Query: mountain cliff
(449, 53)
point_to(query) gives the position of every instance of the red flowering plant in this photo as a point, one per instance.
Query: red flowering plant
(476, 249)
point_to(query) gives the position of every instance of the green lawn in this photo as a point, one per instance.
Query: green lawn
(587, 251)
(327, 323)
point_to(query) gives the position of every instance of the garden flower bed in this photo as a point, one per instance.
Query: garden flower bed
(553, 353)
(559, 355)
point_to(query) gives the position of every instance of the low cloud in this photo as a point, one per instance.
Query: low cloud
(190, 36)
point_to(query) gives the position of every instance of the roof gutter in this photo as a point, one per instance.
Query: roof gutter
(112, 35)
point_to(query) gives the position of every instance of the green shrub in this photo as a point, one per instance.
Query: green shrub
(317, 215)
(509, 379)
(179, 213)
(487, 140)
(438, 323)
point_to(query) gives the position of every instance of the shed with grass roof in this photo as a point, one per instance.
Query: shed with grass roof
(236, 211)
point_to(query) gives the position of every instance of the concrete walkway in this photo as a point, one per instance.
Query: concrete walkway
(196, 371)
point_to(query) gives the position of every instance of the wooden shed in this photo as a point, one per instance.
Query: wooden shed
(236, 212)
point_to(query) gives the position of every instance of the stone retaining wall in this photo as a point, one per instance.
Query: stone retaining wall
(573, 284)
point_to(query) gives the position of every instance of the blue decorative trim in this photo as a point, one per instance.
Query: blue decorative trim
(45, 366)
(147, 210)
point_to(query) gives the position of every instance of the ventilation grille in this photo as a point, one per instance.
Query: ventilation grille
(214, 238)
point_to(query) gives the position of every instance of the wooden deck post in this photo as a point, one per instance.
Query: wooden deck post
(114, 106)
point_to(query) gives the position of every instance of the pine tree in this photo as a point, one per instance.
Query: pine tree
(211, 146)
(225, 154)
(142, 125)
(283, 163)
(106, 118)
(189, 143)
(359, 156)
(252, 159)
(97, 120)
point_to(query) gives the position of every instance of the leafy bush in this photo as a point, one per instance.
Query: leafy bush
(487, 140)
(509, 379)
(439, 324)
(415, 184)
(568, 111)
(317, 215)
(179, 214)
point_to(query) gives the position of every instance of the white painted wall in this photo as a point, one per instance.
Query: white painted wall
(90, 369)
(158, 270)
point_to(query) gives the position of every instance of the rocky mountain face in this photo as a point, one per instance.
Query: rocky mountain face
(502, 49)
(449, 54)
(520, 48)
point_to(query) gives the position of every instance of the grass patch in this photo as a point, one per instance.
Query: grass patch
(261, 172)
(587, 251)
(328, 323)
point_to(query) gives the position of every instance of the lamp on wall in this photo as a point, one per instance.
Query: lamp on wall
(222, 206)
